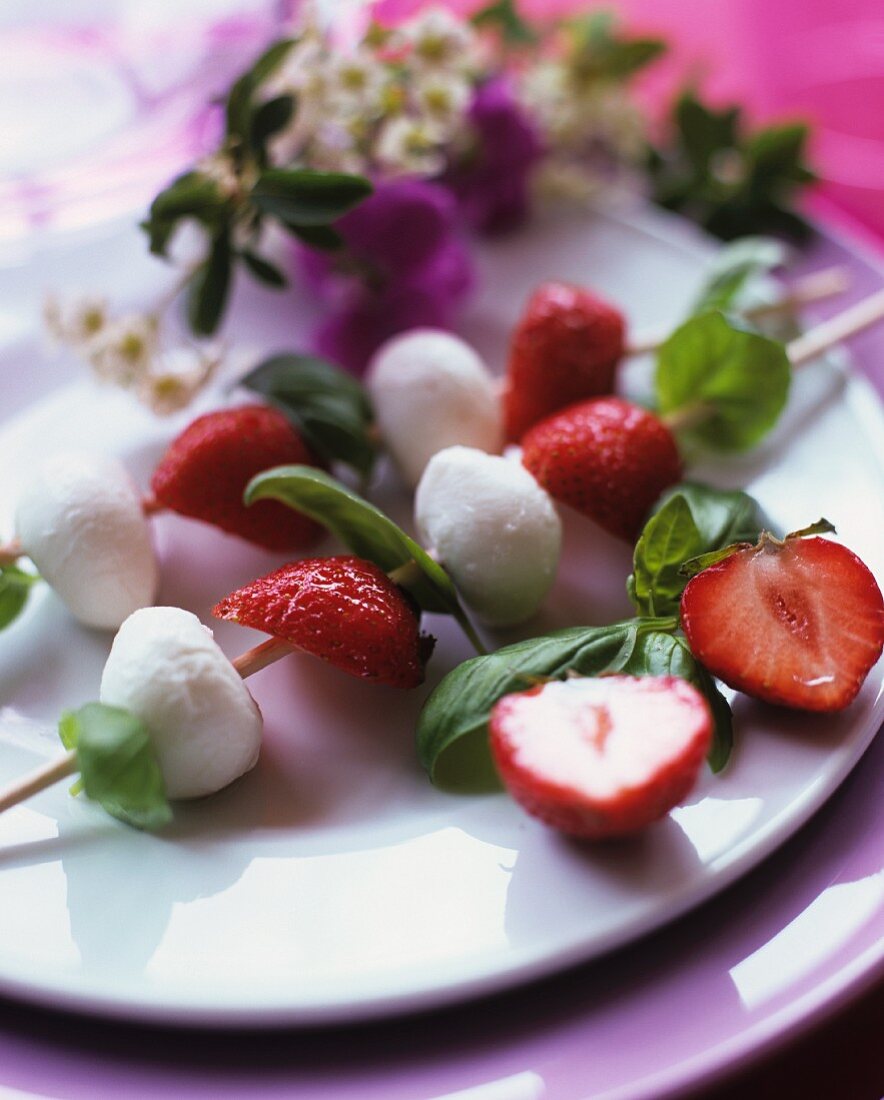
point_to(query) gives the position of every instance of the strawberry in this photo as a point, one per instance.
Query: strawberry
(601, 757)
(607, 458)
(565, 348)
(204, 473)
(344, 610)
(798, 622)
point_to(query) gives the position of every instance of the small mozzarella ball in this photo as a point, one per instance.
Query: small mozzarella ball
(494, 529)
(431, 390)
(165, 667)
(80, 520)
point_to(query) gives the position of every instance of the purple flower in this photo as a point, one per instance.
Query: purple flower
(492, 186)
(405, 265)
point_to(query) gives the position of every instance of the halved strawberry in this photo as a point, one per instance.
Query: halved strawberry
(799, 623)
(565, 348)
(204, 473)
(344, 610)
(601, 757)
(606, 458)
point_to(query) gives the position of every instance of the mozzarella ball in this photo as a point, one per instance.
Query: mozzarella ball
(431, 390)
(494, 529)
(165, 667)
(79, 519)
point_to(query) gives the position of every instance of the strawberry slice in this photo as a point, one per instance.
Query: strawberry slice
(606, 458)
(601, 757)
(204, 473)
(799, 623)
(565, 348)
(343, 610)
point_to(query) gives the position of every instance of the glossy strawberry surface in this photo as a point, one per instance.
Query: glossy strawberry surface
(342, 609)
(206, 469)
(607, 458)
(565, 348)
(799, 624)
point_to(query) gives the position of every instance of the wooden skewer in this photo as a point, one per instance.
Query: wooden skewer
(47, 775)
(800, 351)
(813, 288)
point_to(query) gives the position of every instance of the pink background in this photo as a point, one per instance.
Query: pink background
(817, 59)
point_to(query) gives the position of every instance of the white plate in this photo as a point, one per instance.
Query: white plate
(334, 883)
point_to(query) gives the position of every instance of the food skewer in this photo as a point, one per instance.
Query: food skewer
(816, 287)
(610, 459)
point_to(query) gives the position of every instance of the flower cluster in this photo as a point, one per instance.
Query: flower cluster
(392, 106)
(126, 351)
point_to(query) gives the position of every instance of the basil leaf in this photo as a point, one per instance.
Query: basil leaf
(735, 267)
(741, 375)
(669, 538)
(263, 270)
(452, 741)
(328, 406)
(209, 287)
(688, 521)
(305, 197)
(118, 766)
(366, 531)
(722, 516)
(15, 587)
(661, 654)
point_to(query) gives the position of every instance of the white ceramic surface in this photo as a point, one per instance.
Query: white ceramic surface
(333, 882)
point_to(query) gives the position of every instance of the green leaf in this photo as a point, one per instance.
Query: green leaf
(263, 270)
(777, 153)
(366, 531)
(118, 766)
(719, 518)
(304, 197)
(238, 108)
(328, 407)
(703, 131)
(735, 267)
(191, 195)
(601, 54)
(722, 516)
(669, 538)
(692, 566)
(721, 362)
(453, 724)
(209, 288)
(503, 17)
(317, 236)
(15, 587)
(269, 118)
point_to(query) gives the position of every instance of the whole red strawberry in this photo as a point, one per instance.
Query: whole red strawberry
(799, 623)
(565, 348)
(344, 610)
(601, 757)
(206, 469)
(606, 458)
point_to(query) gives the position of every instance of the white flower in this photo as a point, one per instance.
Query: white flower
(439, 40)
(333, 148)
(74, 322)
(355, 83)
(178, 375)
(123, 350)
(409, 146)
(442, 99)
